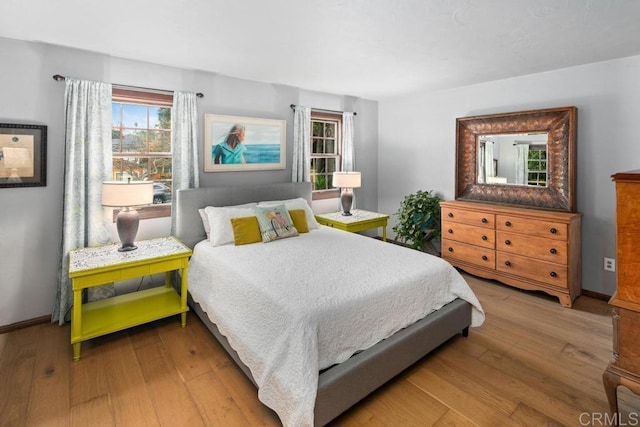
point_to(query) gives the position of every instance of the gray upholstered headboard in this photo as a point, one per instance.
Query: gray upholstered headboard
(189, 228)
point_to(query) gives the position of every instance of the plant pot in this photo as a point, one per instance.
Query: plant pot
(430, 244)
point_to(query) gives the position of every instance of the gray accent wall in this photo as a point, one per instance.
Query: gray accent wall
(31, 218)
(417, 142)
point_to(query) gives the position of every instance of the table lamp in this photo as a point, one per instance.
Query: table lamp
(346, 181)
(127, 195)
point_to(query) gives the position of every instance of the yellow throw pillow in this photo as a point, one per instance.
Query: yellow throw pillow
(299, 218)
(246, 230)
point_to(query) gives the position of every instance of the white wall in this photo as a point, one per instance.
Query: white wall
(31, 218)
(417, 142)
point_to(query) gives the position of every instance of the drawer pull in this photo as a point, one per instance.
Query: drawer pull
(507, 242)
(450, 249)
(553, 251)
(508, 223)
(484, 220)
(450, 231)
(553, 274)
(450, 214)
(484, 257)
(507, 263)
(553, 231)
(484, 237)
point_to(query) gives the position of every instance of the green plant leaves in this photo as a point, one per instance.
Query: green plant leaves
(419, 212)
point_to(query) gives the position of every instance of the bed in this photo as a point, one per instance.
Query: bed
(306, 371)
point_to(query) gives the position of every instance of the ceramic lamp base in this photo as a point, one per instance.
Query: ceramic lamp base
(346, 200)
(127, 224)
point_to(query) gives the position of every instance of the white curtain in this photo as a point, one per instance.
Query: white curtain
(488, 159)
(522, 155)
(184, 145)
(481, 164)
(301, 168)
(348, 151)
(87, 165)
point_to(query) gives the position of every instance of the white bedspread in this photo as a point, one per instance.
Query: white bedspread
(295, 306)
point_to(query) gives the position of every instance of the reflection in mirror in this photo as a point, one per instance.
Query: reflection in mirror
(516, 159)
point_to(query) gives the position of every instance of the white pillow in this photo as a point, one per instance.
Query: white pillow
(205, 222)
(298, 203)
(221, 232)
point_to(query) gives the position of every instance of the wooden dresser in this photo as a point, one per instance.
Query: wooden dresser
(526, 248)
(624, 368)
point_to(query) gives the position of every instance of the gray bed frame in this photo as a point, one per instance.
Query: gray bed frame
(342, 385)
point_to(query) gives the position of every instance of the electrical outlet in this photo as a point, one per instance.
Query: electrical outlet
(609, 264)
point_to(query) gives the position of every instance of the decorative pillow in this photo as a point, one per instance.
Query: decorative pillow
(220, 222)
(246, 230)
(298, 203)
(275, 222)
(299, 218)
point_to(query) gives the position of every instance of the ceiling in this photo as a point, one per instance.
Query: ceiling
(374, 49)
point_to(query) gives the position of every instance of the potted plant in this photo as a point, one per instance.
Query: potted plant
(419, 220)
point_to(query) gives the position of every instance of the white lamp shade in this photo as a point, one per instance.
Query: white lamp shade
(346, 179)
(122, 194)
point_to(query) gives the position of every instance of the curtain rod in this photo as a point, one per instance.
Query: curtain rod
(58, 77)
(293, 106)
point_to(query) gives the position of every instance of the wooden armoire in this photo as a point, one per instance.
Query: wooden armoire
(624, 368)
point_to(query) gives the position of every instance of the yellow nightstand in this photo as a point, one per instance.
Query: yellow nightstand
(100, 265)
(360, 220)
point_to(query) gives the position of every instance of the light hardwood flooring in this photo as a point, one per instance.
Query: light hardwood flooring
(532, 362)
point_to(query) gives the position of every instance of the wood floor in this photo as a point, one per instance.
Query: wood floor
(533, 362)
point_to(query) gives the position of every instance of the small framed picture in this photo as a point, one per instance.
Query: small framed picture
(23, 155)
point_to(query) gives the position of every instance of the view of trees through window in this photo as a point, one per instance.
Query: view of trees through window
(537, 166)
(325, 150)
(141, 141)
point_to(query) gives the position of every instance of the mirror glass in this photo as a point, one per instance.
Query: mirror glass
(512, 159)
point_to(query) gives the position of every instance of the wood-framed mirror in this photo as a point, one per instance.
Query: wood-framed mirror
(524, 158)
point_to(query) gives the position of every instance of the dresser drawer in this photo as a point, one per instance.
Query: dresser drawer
(479, 219)
(541, 228)
(542, 271)
(466, 233)
(539, 248)
(468, 253)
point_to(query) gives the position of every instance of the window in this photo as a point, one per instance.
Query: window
(326, 151)
(537, 166)
(141, 144)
